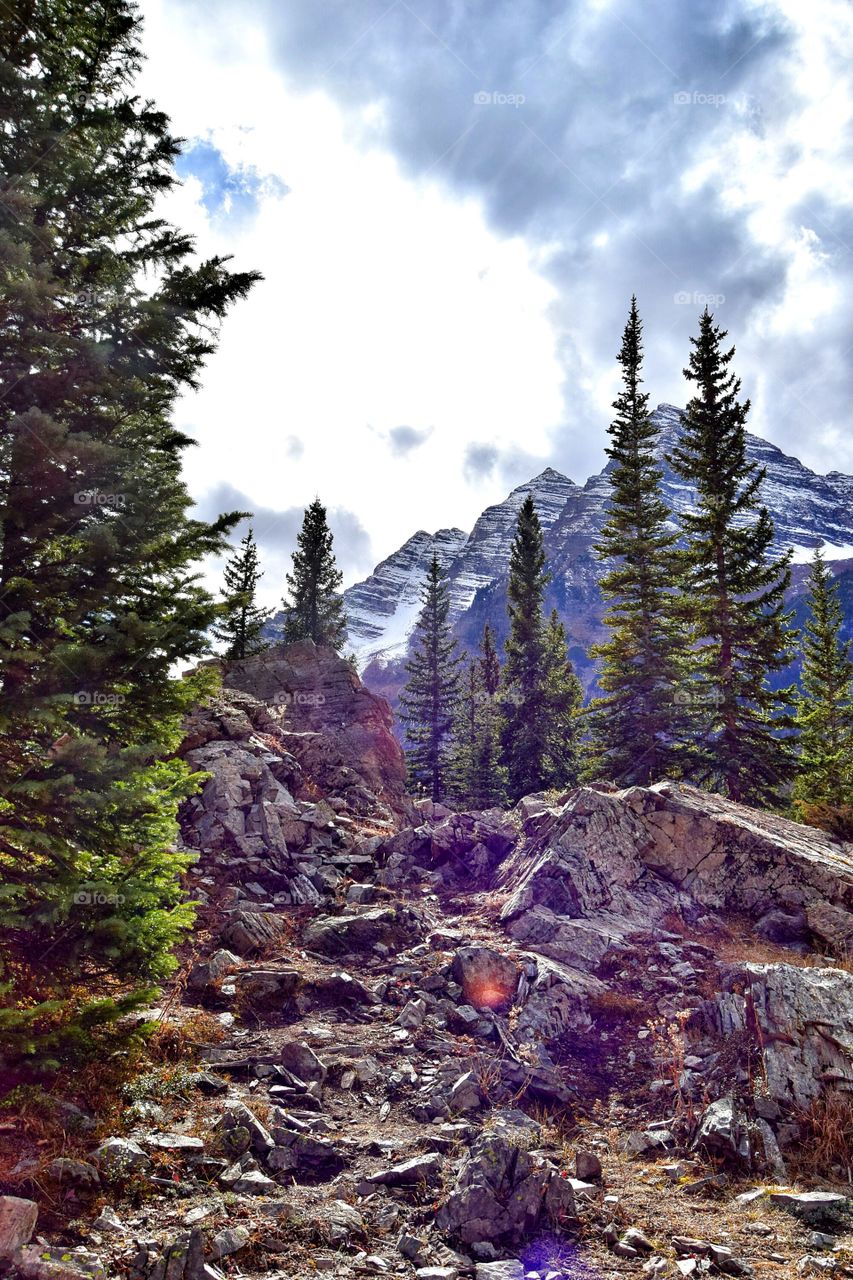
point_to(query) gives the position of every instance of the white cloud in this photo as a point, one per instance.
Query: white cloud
(385, 301)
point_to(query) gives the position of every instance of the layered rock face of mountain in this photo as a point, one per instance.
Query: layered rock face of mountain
(808, 510)
(605, 1034)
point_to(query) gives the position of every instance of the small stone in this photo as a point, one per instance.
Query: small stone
(197, 1214)
(466, 1094)
(108, 1220)
(411, 1016)
(636, 1239)
(121, 1156)
(255, 1183)
(78, 1173)
(409, 1173)
(509, 1270)
(302, 1062)
(17, 1223)
(583, 1190)
(228, 1241)
(810, 1204)
(587, 1166)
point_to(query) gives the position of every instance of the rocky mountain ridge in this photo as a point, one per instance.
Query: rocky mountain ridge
(604, 1034)
(808, 510)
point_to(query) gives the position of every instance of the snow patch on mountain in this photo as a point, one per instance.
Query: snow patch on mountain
(808, 510)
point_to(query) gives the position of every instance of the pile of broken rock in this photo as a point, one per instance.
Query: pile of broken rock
(584, 1038)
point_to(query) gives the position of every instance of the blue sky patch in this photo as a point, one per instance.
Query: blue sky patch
(233, 195)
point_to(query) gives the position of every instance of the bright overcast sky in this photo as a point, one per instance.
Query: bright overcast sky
(452, 201)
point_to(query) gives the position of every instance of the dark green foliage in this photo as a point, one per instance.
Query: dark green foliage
(823, 792)
(733, 592)
(430, 698)
(104, 321)
(563, 701)
(490, 667)
(523, 703)
(540, 693)
(315, 610)
(636, 725)
(242, 621)
(481, 777)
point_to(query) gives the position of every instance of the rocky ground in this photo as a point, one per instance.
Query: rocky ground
(604, 1034)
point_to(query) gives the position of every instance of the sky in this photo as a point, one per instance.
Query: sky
(452, 201)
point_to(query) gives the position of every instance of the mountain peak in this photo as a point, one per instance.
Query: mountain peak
(549, 483)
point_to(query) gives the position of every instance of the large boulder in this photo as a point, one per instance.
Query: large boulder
(619, 862)
(17, 1223)
(489, 979)
(392, 927)
(733, 858)
(557, 1003)
(341, 733)
(503, 1191)
(801, 1021)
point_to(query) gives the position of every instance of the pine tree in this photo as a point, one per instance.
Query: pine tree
(490, 667)
(465, 723)
(524, 702)
(636, 724)
(563, 699)
(733, 591)
(315, 610)
(823, 791)
(481, 776)
(242, 621)
(430, 697)
(104, 320)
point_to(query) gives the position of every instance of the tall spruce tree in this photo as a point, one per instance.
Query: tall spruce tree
(430, 697)
(563, 700)
(636, 724)
(482, 777)
(823, 791)
(733, 591)
(490, 666)
(242, 621)
(315, 610)
(104, 320)
(465, 728)
(525, 702)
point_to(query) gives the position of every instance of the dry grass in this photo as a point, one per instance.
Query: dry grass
(735, 941)
(827, 1143)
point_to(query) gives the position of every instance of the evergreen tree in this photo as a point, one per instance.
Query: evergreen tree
(104, 320)
(525, 702)
(823, 791)
(636, 728)
(315, 610)
(490, 667)
(465, 728)
(563, 700)
(429, 699)
(242, 621)
(482, 778)
(733, 591)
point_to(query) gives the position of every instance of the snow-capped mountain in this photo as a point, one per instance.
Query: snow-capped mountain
(807, 509)
(382, 609)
